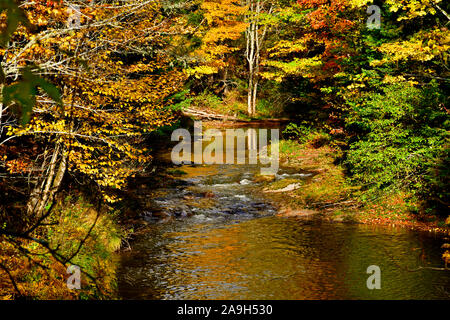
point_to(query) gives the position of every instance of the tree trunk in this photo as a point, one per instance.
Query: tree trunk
(250, 92)
(255, 91)
(250, 55)
(255, 39)
(225, 80)
(44, 192)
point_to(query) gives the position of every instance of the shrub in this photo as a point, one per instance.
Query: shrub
(401, 141)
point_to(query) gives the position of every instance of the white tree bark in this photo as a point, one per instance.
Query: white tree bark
(44, 193)
(254, 39)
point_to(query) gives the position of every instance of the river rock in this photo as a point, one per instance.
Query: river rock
(264, 178)
(291, 187)
(288, 212)
(160, 214)
(208, 194)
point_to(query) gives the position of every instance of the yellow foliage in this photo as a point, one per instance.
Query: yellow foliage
(109, 103)
(224, 25)
(424, 46)
(413, 8)
(306, 67)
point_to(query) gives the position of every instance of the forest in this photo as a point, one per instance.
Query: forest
(89, 89)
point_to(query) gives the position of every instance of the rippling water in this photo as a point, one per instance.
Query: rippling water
(277, 258)
(236, 248)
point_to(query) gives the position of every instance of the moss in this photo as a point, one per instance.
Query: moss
(329, 186)
(263, 178)
(176, 172)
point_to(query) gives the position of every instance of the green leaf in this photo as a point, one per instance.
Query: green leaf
(14, 16)
(24, 93)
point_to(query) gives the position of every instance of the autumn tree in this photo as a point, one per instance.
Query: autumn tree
(115, 87)
(258, 19)
(318, 40)
(111, 64)
(222, 25)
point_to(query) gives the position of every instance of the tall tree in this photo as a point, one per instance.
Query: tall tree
(112, 65)
(223, 26)
(255, 35)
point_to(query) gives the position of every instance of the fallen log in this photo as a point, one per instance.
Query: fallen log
(210, 116)
(216, 116)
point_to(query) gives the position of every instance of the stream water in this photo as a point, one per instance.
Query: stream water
(221, 239)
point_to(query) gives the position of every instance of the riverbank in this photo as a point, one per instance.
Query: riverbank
(329, 193)
(322, 186)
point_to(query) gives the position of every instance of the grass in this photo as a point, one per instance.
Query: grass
(176, 172)
(280, 184)
(43, 277)
(331, 191)
(234, 105)
(329, 184)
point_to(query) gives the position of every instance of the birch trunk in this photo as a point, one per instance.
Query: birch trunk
(45, 191)
(250, 92)
(254, 39)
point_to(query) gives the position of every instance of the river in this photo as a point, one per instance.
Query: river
(221, 239)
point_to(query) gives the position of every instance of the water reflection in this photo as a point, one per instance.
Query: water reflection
(234, 248)
(275, 258)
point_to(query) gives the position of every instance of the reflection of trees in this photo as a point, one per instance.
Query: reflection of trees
(252, 146)
(250, 260)
(394, 251)
(272, 258)
(207, 258)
